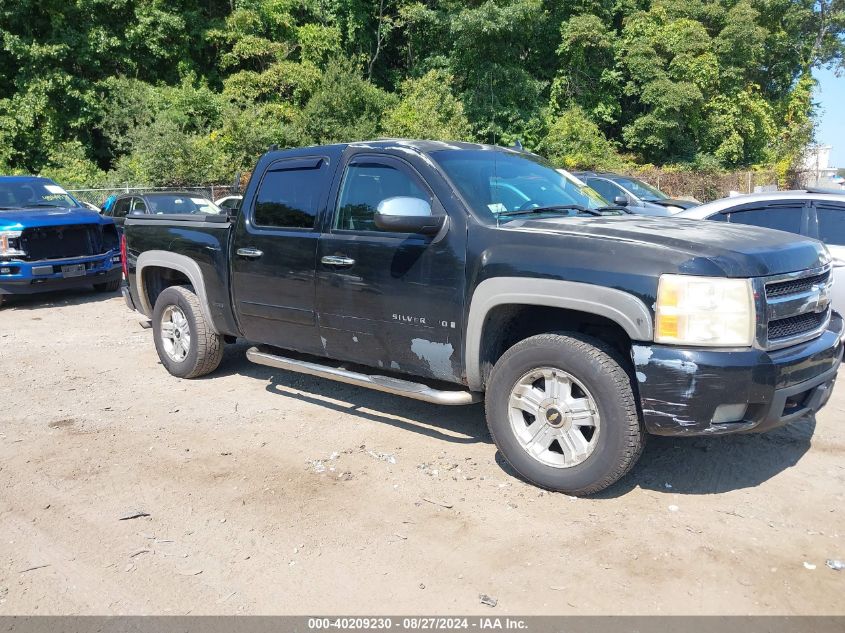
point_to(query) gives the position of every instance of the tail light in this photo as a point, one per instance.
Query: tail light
(123, 256)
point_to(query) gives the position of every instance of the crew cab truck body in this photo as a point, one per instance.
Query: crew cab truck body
(413, 268)
(49, 241)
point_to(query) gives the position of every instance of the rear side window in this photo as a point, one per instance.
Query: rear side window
(121, 207)
(831, 225)
(288, 198)
(782, 218)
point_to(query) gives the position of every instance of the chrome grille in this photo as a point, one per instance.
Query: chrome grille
(794, 286)
(791, 326)
(795, 307)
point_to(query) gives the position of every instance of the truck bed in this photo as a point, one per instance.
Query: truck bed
(203, 238)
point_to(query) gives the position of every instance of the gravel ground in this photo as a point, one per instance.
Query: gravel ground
(263, 491)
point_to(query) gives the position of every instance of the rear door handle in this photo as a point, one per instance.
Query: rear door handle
(251, 253)
(338, 260)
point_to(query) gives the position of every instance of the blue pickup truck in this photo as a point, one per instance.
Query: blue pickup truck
(48, 240)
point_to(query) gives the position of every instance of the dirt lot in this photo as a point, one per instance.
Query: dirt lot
(270, 492)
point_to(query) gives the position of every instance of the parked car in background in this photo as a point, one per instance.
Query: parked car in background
(815, 213)
(48, 240)
(452, 272)
(158, 203)
(229, 202)
(639, 196)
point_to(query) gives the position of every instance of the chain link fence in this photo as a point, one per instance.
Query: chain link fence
(706, 186)
(98, 196)
(701, 185)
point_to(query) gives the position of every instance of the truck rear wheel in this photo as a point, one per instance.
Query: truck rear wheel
(185, 342)
(561, 409)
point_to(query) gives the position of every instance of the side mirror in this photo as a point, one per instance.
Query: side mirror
(403, 214)
(621, 201)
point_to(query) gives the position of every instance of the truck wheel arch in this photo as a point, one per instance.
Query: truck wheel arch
(172, 261)
(622, 308)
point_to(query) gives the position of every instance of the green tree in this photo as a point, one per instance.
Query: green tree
(344, 107)
(575, 142)
(428, 109)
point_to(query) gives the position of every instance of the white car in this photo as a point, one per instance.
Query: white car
(228, 203)
(815, 213)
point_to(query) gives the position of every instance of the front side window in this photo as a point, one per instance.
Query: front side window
(641, 189)
(138, 206)
(831, 225)
(288, 198)
(365, 186)
(783, 218)
(608, 190)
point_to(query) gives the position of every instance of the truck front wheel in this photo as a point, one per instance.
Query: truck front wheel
(561, 409)
(186, 344)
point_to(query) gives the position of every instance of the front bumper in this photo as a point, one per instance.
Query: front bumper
(41, 276)
(681, 390)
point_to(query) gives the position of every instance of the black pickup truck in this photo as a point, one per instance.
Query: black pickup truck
(453, 272)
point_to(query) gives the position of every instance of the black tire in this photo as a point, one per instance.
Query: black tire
(2, 300)
(620, 439)
(205, 350)
(108, 286)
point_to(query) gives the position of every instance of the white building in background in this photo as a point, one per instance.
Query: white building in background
(819, 172)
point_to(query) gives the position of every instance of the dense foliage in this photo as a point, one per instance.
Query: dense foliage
(190, 91)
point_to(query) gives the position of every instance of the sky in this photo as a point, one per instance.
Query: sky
(830, 95)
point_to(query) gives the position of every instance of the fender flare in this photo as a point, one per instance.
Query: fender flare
(623, 308)
(173, 261)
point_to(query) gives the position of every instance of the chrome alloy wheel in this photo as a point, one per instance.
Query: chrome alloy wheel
(175, 333)
(554, 417)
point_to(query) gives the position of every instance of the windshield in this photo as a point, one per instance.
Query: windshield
(642, 190)
(34, 193)
(163, 204)
(497, 184)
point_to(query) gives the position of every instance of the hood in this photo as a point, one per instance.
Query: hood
(695, 247)
(19, 219)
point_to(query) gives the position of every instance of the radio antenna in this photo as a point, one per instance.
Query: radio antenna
(495, 186)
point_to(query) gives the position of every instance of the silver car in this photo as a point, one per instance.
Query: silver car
(819, 214)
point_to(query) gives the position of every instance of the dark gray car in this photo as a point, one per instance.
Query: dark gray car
(158, 203)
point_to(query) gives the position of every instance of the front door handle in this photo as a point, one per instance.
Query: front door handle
(251, 253)
(338, 260)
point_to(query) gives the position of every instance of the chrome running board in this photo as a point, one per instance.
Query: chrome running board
(396, 386)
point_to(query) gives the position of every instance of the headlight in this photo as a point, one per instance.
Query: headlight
(9, 244)
(712, 311)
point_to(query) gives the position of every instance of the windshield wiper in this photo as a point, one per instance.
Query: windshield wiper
(42, 204)
(552, 207)
(614, 207)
